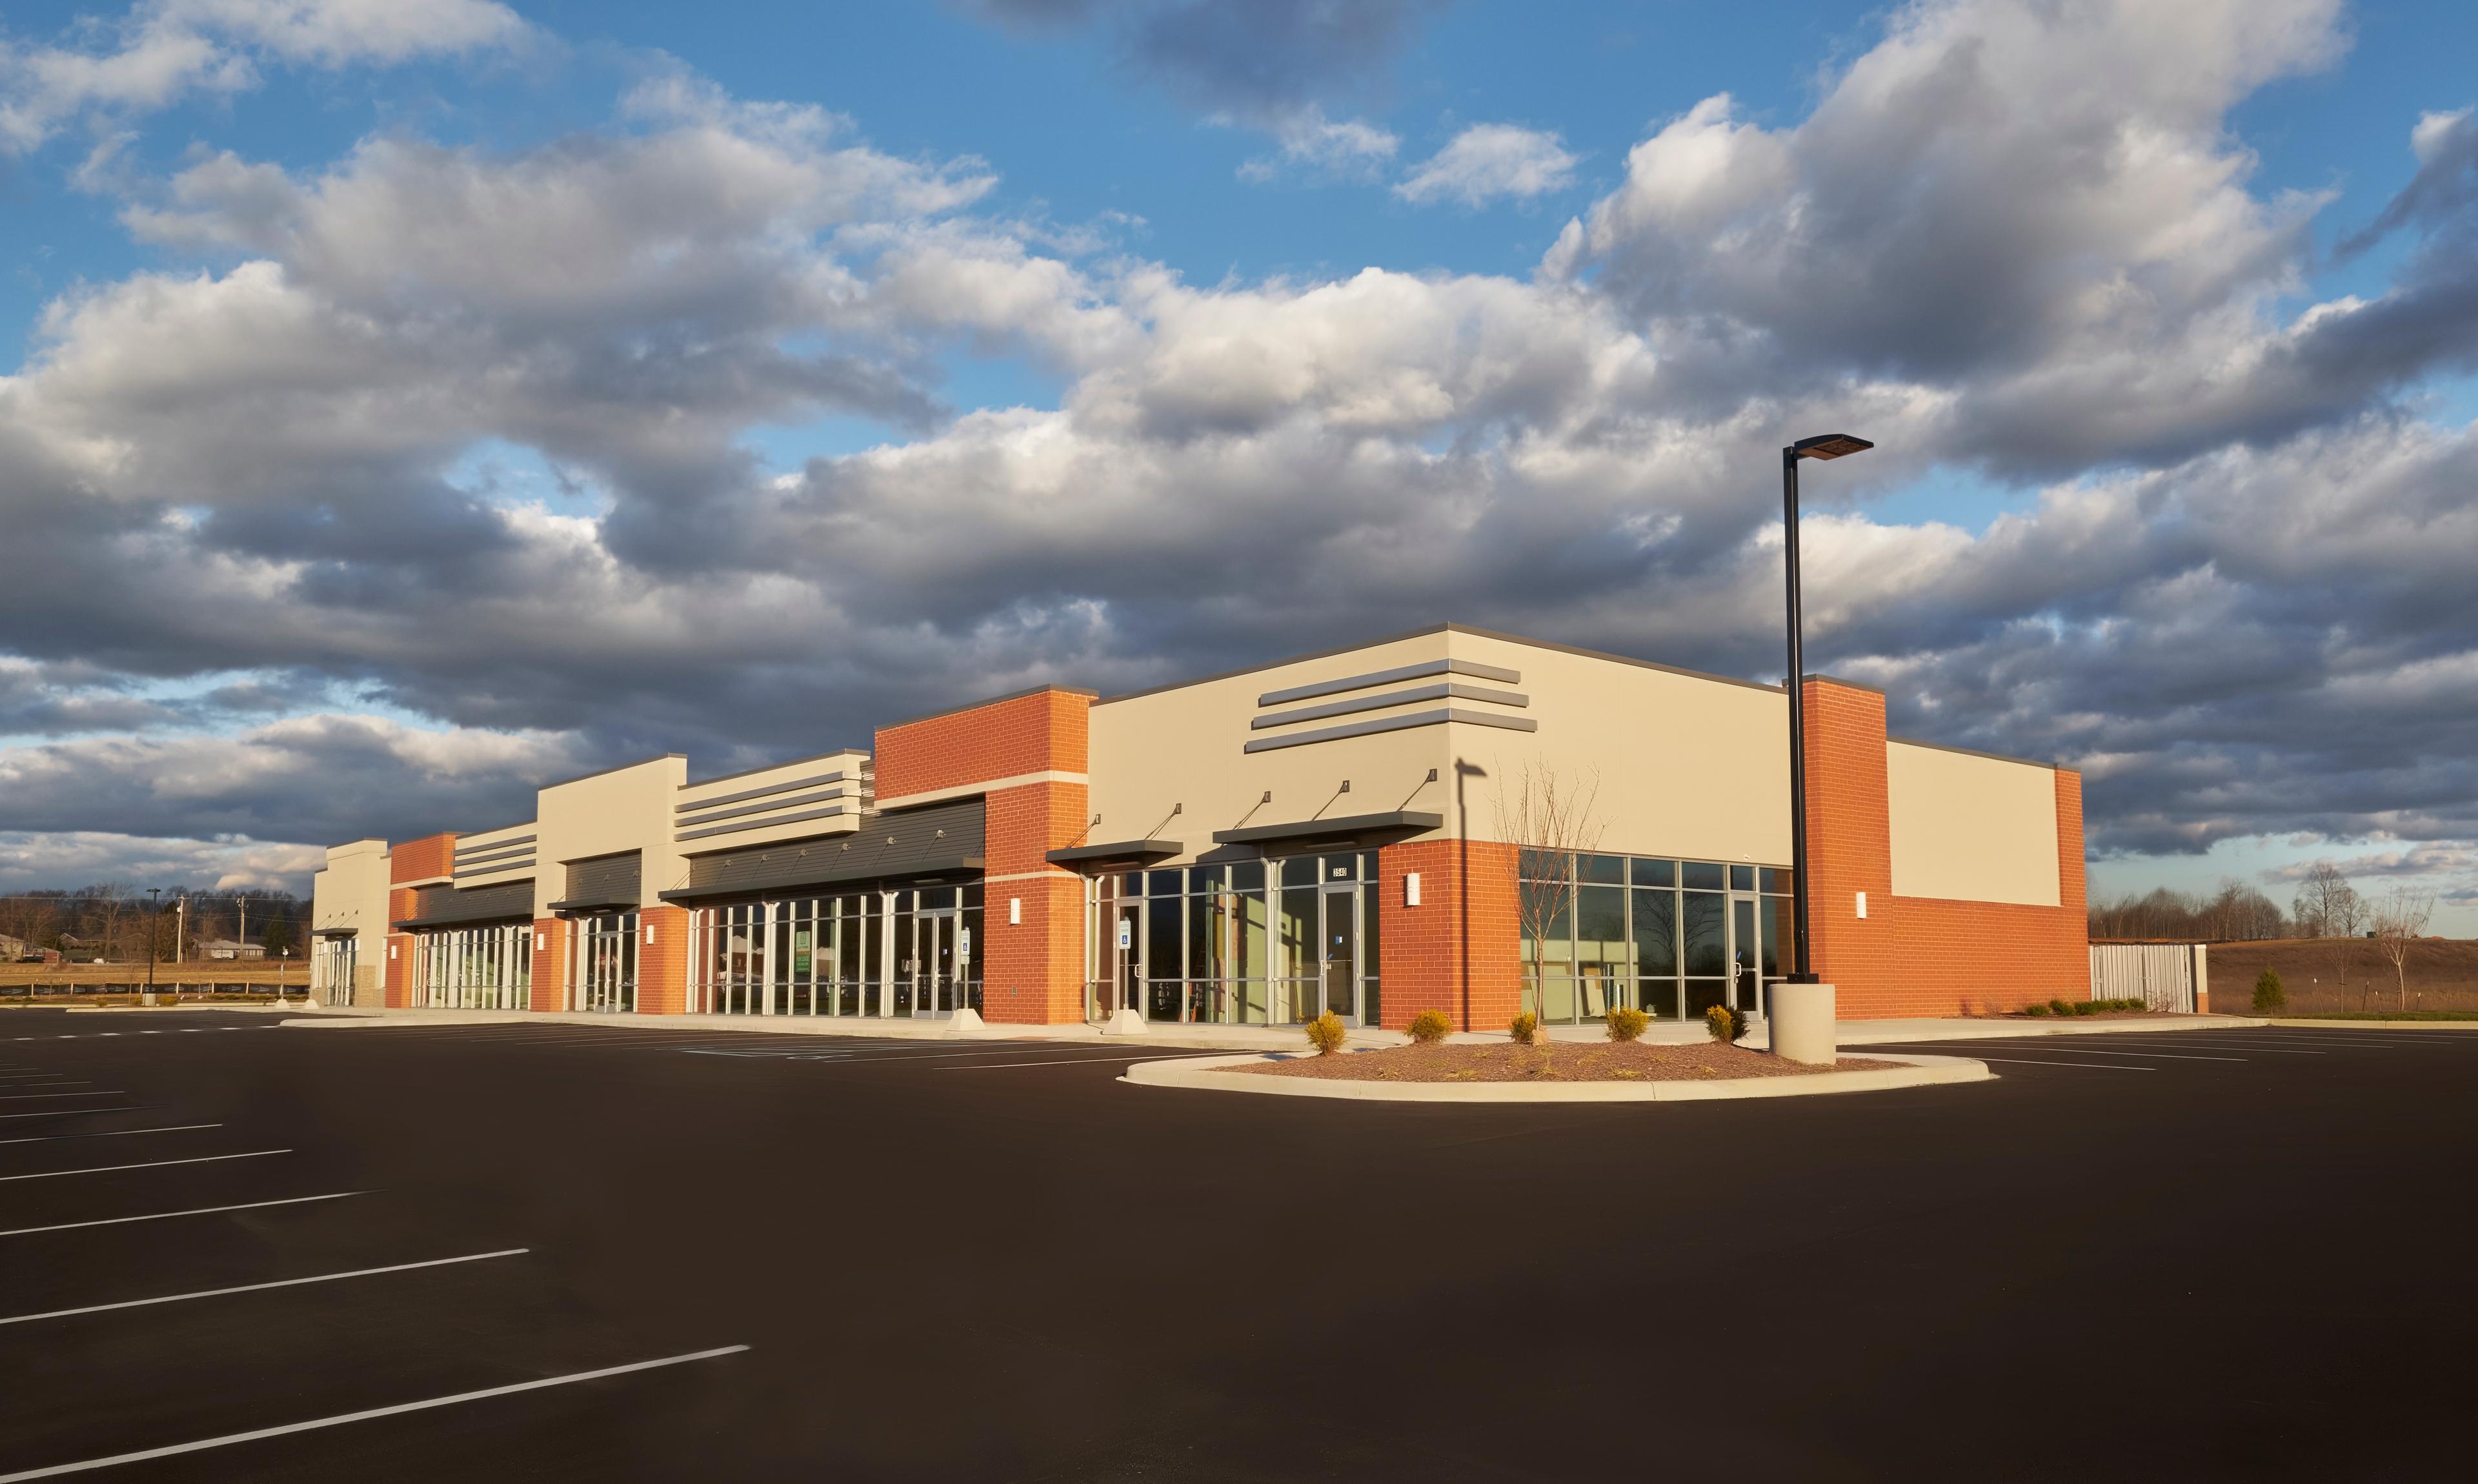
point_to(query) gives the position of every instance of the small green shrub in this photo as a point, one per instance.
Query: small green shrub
(1325, 1033)
(1526, 1028)
(1627, 1023)
(2269, 999)
(2039, 1010)
(1431, 1025)
(2087, 1007)
(2059, 1007)
(1724, 1024)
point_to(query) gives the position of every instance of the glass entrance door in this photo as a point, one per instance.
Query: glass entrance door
(606, 963)
(1341, 960)
(1746, 957)
(934, 963)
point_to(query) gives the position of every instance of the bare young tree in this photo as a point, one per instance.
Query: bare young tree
(1552, 818)
(2399, 920)
(2327, 905)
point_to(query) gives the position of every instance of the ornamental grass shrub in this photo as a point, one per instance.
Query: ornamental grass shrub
(1724, 1024)
(2059, 1007)
(2269, 999)
(1627, 1023)
(2034, 1010)
(1325, 1033)
(1430, 1025)
(1526, 1028)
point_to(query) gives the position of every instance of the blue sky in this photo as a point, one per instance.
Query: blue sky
(1145, 202)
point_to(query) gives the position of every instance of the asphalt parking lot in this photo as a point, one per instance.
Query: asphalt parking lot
(619, 1254)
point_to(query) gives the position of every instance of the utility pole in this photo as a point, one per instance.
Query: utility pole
(154, 915)
(180, 924)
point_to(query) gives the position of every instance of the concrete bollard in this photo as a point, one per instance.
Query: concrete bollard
(1802, 1023)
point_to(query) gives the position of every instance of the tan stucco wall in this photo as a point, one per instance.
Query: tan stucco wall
(351, 890)
(626, 809)
(1685, 766)
(750, 828)
(1971, 828)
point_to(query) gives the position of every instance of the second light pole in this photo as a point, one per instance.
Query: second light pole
(1829, 446)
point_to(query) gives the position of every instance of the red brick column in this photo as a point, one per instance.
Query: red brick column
(663, 965)
(550, 964)
(1461, 948)
(1849, 848)
(428, 859)
(1032, 971)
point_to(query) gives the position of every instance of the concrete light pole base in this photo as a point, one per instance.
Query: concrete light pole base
(1126, 1023)
(965, 1021)
(1802, 1023)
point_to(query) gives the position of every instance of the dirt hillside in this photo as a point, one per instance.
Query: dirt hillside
(2343, 973)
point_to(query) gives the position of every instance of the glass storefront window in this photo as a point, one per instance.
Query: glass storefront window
(474, 968)
(860, 953)
(1666, 951)
(1238, 943)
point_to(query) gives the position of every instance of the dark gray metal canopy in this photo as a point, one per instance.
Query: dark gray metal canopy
(1400, 821)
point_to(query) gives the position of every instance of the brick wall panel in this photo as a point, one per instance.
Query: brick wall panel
(550, 964)
(1463, 941)
(663, 965)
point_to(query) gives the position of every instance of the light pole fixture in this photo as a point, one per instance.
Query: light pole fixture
(1829, 446)
(154, 915)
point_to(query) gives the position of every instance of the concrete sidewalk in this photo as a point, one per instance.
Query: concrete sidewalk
(1230, 1038)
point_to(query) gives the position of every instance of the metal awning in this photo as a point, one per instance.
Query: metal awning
(933, 843)
(602, 902)
(1400, 821)
(1121, 852)
(448, 906)
(335, 932)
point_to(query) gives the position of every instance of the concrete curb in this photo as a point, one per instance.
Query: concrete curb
(1208, 1073)
(370, 1017)
(1861, 1033)
(2375, 1026)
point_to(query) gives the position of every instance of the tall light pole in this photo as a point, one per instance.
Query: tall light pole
(154, 915)
(1829, 446)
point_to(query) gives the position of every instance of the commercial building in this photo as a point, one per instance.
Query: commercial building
(1450, 819)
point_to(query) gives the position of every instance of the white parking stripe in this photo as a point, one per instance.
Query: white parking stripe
(76, 1113)
(112, 1133)
(152, 1164)
(2230, 1046)
(166, 1216)
(398, 1409)
(2173, 1056)
(1060, 1061)
(252, 1287)
(2026, 1061)
(28, 1098)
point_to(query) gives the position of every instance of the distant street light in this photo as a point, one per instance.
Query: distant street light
(1830, 446)
(154, 915)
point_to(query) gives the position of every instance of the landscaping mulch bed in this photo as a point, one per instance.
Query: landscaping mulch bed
(1620, 1061)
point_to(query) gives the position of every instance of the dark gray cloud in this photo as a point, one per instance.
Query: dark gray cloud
(1263, 59)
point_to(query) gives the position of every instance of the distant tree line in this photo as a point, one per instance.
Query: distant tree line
(2327, 905)
(117, 921)
(2236, 913)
